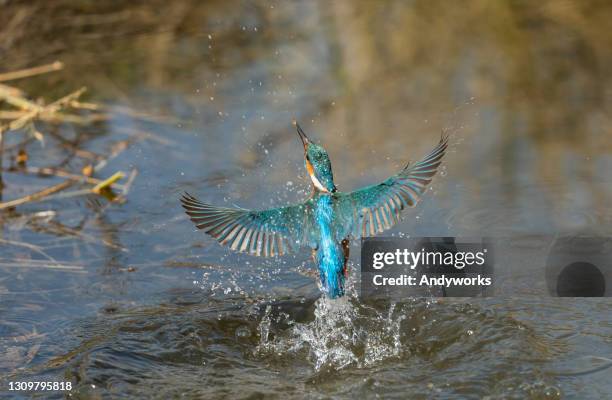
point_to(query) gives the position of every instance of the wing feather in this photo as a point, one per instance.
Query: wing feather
(375, 208)
(265, 233)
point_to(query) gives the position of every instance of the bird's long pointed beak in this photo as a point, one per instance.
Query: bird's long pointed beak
(305, 140)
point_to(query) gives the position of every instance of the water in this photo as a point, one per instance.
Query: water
(148, 307)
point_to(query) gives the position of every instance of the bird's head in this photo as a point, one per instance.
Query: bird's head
(317, 164)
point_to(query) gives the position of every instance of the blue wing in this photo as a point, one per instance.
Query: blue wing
(262, 233)
(373, 209)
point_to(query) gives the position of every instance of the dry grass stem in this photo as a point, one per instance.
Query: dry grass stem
(67, 109)
(105, 184)
(37, 196)
(28, 72)
(29, 264)
(48, 171)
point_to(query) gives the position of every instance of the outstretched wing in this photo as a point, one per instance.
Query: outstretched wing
(262, 233)
(375, 208)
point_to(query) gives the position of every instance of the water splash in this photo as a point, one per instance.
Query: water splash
(344, 332)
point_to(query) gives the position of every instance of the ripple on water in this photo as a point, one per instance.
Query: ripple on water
(332, 347)
(437, 346)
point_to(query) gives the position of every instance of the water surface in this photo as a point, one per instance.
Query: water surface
(158, 310)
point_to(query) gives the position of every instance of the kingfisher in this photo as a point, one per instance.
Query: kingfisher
(325, 222)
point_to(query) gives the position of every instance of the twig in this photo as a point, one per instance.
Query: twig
(58, 228)
(21, 121)
(85, 106)
(30, 111)
(116, 149)
(1, 152)
(73, 193)
(32, 247)
(51, 108)
(145, 135)
(35, 261)
(11, 114)
(107, 182)
(46, 171)
(37, 196)
(8, 94)
(13, 91)
(90, 155)
(46, 266)
(24, 73)
(56, 117)
(128, 184)
(66, 99)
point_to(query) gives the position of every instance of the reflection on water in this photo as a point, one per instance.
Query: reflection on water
(144, 306)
